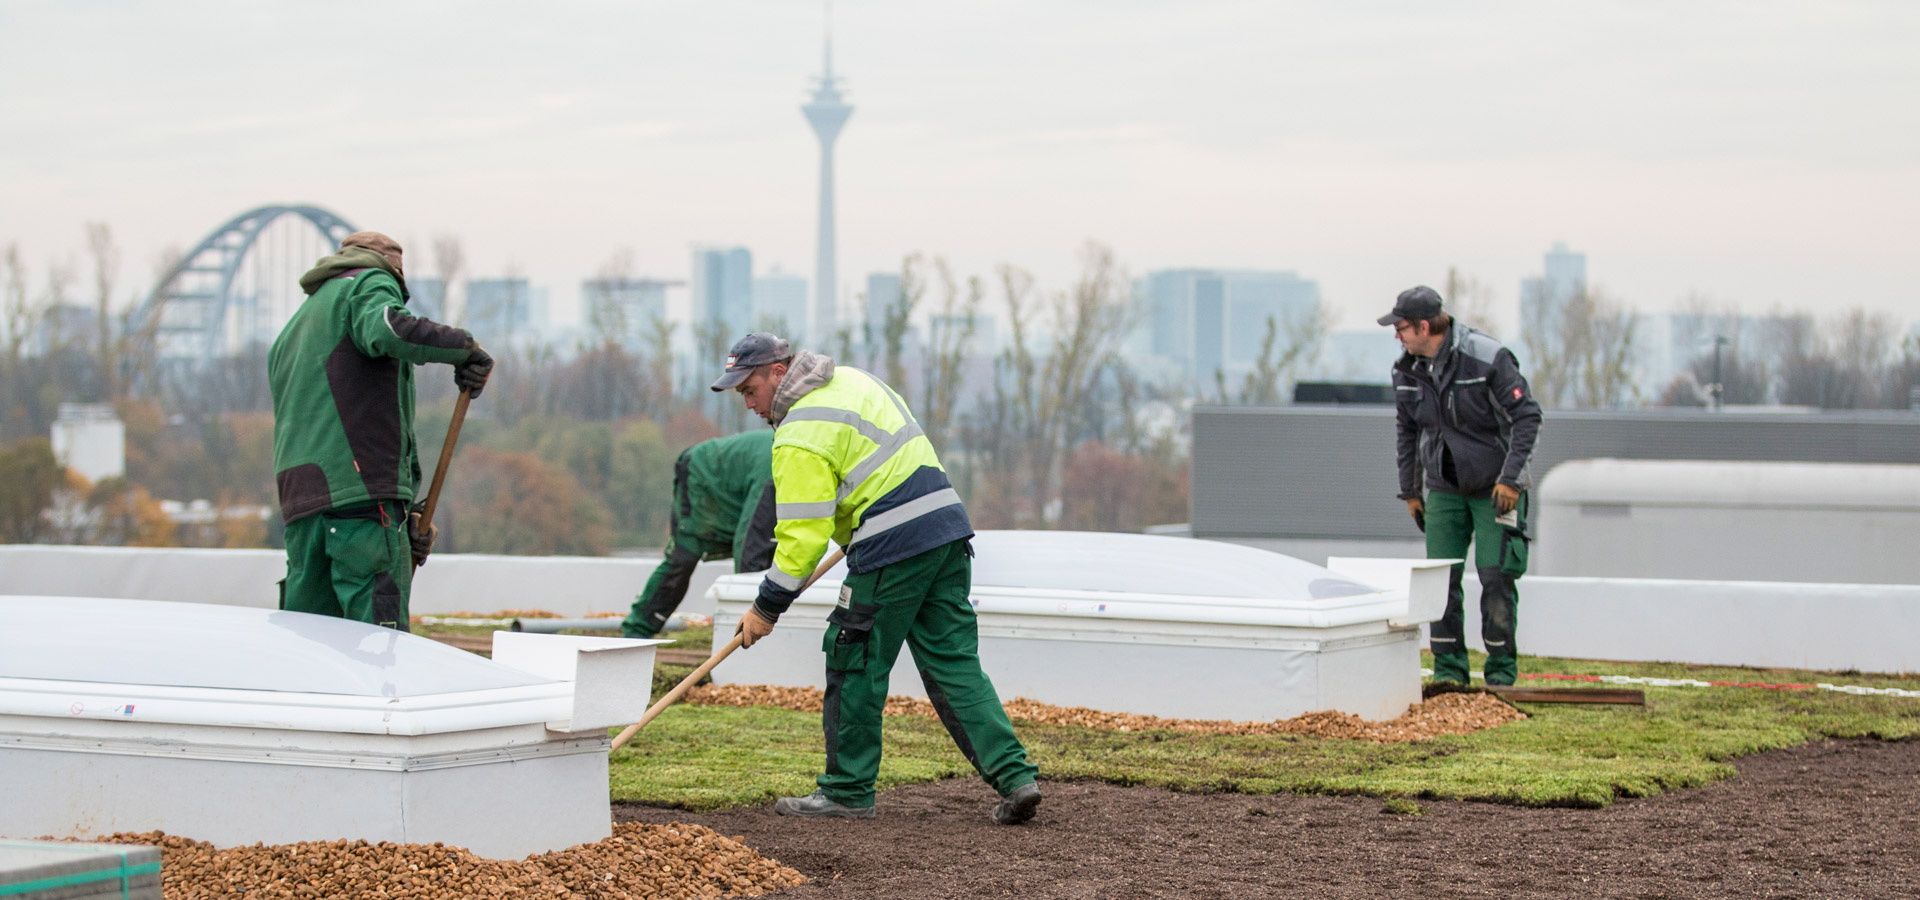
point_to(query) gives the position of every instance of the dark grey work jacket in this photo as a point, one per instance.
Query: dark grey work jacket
(1465, 418)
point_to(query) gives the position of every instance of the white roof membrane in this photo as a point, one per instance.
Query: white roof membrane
(1153, 565)
(198, 645)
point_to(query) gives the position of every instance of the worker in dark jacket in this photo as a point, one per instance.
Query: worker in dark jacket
(1466, 426)
(341, 374)
(722, 507)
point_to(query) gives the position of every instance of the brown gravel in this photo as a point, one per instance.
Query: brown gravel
(638, 861)
(503, 614)
(1458, 713)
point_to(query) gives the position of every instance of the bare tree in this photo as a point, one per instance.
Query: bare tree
(448, 259)
(899, 313)
(1582, 354)
(606, 317)
(1841, 365)
(1470, 300)
(660, 366)
(1088, 321)
(949, 346)
(1273, 368)
(1604, 334)
(106, 267)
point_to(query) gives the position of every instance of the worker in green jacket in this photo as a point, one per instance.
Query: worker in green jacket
(344, 458)
(850, 465)
(722, 507)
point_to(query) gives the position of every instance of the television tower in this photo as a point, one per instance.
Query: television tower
(826, 113)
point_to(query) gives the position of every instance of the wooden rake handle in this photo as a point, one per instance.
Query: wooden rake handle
(688, 682)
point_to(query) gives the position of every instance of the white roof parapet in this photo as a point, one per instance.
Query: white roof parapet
(1662, 482)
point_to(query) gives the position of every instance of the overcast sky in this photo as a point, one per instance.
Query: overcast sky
(1758, 153)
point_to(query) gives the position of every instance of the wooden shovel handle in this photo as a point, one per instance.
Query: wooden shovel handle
(714, 660)
(446, 458)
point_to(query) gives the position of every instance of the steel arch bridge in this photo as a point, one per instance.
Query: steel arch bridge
(190, 307)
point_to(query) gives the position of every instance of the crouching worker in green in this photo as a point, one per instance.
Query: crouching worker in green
(341, 374)
(722, 507)
(1466, 425)
(851, 465)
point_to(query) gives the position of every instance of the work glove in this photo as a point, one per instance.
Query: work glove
(1418, 508)
(1505, 498)
(471, 376)
(422, 541)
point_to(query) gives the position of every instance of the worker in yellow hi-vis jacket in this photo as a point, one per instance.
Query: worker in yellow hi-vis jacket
(851, 465)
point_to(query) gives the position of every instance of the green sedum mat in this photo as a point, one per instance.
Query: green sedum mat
(711, 757)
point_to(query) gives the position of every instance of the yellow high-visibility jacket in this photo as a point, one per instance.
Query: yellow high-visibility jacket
(850, 464)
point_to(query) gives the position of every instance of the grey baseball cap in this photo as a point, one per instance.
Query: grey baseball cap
(756, 349)
(1419, 302)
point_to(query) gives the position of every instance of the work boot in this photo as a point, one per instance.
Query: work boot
(817, 806)
(1450, 668)
(1018, 806)
(1502, 670)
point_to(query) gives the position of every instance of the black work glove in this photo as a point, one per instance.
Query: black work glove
(422, 541)
(471, 376)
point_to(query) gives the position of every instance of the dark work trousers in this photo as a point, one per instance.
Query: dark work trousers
(352, 563)
(920, 601)
(687, 544)
(1499, 558)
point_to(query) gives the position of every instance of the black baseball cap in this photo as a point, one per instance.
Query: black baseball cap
(1420, 302)
(754, 350)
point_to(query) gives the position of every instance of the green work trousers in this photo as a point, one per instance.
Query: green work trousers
(1499, 558)
(352, 563)
(921, 601)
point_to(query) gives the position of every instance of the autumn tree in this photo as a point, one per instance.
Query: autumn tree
(499, 502)
(30, 477)
(1106, 490)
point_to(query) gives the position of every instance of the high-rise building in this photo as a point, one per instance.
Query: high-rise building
(1208, 321)
(883, 291)
(780, 305)
(500, 309)
(721, 289)
(428, 298)
(624, 309)
(1543, 298)
(827, 112)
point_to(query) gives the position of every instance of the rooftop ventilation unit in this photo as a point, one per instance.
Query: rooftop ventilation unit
(1156, 625)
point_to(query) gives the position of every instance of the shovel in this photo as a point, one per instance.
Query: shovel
(446, 458)
(705, 667)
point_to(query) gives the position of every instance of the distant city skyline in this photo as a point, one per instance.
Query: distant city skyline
(1762, 159)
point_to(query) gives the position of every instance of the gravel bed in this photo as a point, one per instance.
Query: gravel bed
(1453, 713)
(671, 862)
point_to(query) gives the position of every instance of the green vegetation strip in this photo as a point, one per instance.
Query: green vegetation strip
(711, 757)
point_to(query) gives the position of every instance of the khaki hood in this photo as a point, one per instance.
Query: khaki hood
(347, 260)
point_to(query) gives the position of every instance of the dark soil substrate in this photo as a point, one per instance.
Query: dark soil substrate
(1829, 819)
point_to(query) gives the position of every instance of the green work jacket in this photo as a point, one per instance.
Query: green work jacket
(341, 375)
(723, 479)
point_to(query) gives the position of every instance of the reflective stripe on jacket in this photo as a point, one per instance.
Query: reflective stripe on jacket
(850, 464)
